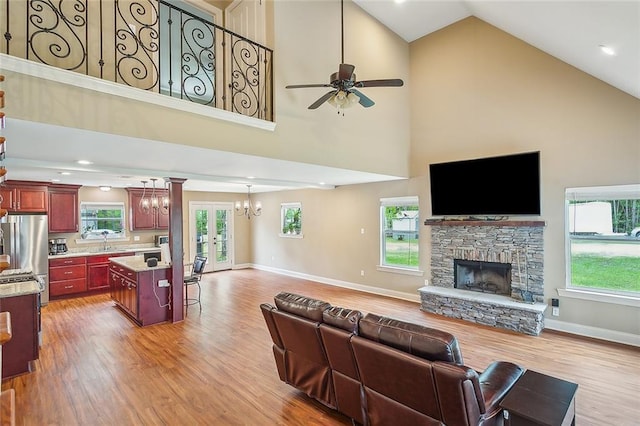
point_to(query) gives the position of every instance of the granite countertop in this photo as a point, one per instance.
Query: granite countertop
(137, 263)
(19, 288)
(97, 252)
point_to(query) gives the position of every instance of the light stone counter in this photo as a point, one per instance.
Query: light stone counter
(137, 263)
(19, 289)
(96, 252)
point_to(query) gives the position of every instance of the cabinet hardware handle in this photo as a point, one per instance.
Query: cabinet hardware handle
(68, 272)
(68, 286)
(68, 261)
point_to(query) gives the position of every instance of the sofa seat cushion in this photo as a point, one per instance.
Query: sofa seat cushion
(418, 340)
(305, 307)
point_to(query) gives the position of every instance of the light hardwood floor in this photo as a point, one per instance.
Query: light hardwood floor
(217, 368)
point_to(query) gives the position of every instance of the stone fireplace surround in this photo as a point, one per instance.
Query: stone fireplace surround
(519, 243)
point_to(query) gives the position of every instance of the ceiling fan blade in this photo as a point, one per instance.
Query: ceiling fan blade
(364, 101)
(345, 71)
(323, 99)
(300, 86)
(392, 82)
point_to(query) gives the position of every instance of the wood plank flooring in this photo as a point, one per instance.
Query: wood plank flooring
(216, 367)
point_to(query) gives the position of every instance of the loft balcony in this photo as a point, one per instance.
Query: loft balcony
(151, 45)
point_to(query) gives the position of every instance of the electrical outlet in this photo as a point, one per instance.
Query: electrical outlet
(136, 238)
(362, 273)
(426, 282)
(163, 283)
(362, 230)
(555, 311)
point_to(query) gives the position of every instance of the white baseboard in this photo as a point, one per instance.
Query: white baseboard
(580, 330)
(594, 332)
(344, 284)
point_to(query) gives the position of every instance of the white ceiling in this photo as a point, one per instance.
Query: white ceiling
(569, 30)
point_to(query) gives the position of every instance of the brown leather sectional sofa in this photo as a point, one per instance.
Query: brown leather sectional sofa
(381, 371)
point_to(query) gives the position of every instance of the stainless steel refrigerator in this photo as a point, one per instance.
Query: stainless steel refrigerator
(25, 240)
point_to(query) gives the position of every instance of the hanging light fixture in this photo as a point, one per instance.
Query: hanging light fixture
(145, 202)
(164, 201)
(246, 208)
(151, 202)
(342, 99)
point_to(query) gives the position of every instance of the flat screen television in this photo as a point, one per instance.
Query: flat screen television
(492, 186)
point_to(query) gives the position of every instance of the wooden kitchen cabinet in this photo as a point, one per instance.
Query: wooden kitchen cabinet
(24, 346)
(63, 208)
(138, 294)
(98, 271)
(24, 196)
(67, 275)
(141, 221)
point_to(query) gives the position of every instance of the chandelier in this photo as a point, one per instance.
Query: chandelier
(246, 208)
(152, 202)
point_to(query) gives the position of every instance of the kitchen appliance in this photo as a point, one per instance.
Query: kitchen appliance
(24, 239)
(162, 239)
(61, 245)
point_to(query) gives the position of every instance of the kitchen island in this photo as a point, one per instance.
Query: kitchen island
(20, 297)
(142, 292)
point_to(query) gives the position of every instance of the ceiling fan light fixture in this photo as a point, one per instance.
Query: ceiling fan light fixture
(343, 99)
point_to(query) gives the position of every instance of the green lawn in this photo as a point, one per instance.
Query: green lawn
(402, 252)
(618, 273)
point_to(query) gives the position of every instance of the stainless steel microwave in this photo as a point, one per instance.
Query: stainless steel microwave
(162, 239)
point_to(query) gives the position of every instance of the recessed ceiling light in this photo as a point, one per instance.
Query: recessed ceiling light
(105, 188)
(399, 1)
(55, 180)
(251, 177)
(84, 162)
(321, 183)
(607, 50)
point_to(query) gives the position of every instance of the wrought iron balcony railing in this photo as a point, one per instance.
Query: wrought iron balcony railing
(148, 44)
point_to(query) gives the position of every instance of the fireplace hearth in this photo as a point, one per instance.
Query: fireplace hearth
(485, 277)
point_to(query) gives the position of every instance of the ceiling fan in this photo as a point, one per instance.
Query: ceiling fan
(344, 92)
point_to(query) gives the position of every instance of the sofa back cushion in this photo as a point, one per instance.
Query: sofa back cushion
(339, 326)
(305, 307)
(424, 342)
(398, 388)
(297, 321)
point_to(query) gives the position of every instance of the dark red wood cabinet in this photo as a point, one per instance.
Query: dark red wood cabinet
(138, 293)
(25, 197)
(63, 208)
(24, 346)
(67, 275)
(152, 220)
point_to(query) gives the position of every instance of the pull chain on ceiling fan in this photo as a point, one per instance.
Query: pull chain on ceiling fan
(344, 85)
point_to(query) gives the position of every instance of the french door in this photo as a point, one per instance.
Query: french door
(210, 226)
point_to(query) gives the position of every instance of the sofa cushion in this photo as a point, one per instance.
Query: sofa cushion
(300, 305)
(424, 342)
(346, 319)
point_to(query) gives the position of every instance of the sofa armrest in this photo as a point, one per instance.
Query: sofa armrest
(496, 381)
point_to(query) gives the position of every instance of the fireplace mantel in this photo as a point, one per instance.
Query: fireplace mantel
(464, 222)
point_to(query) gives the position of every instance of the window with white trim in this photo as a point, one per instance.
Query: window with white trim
(399, 232)
(603, 239)
(102, 220)
(291, 220)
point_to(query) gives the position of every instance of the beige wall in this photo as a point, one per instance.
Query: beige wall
(476, 91)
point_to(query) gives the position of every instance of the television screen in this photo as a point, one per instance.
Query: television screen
(505, 185)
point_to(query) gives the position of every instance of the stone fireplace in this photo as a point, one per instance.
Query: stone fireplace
(489, 272)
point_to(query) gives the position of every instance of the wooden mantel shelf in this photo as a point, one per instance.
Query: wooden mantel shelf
(449, 222)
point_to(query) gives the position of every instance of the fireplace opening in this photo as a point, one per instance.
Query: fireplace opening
(485, 277)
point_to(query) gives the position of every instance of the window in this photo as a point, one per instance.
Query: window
(291, 220)
(603, 239)
(102, 220)
(399, 219)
